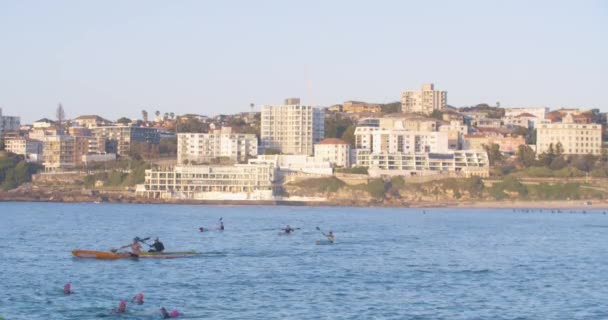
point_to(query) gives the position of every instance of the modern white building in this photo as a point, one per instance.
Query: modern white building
(295, 164)
(8, 123)
(336, 151)
(423, 101)
(382, 140)
(204, 147)
(453, 163)
(292, 128)
(238, 182)
(574, 138)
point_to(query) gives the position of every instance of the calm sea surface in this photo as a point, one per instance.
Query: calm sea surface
(386, 264)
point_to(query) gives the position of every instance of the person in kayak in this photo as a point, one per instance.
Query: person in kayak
(135, 247)
(157, 246)
(330, 236)
(122, 307)
(221, 225)
(166, 315)
(201, 229)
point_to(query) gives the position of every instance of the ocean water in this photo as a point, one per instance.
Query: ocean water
(385, 264)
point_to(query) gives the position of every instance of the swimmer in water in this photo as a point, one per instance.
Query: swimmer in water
(122, 307)
(201, 229)
(167, 315)
(138, 298)
(67, 288)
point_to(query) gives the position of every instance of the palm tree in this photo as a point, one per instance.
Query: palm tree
(172, 115)
(166, 115)
(157, 113)
(144, 115)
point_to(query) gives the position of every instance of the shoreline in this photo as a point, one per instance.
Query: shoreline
(557, 204)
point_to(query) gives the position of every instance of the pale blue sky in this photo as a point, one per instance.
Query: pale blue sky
(115, 58)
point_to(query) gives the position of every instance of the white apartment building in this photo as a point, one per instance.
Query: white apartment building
(574, 138)
(9, 123)
(238, 182)
(335, 151)
(456, 131)
(292, 128)
(29, 148)
(295, 164)
(423, 101)
(454, 163)
(203, 147)
(382, 140)
(539, 112)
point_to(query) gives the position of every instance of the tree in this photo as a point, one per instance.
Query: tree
(437, 115)
(270, 151)
(166, 115)
(494, 154)
(144, 115)
(526, 155)
(157, 113)
(559, 149)
(172, 115)
(393, 107)
(60, 114)
(124, 120)
(2, 144)
(349, 135)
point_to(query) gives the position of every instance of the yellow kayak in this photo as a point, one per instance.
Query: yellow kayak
(107, 255)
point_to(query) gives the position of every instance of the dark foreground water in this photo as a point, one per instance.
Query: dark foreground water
(386, 264)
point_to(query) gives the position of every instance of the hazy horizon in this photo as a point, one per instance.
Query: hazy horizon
(115, 58)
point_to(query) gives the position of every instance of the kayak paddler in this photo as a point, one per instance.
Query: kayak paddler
(135, 247)
(288, 229)
(330, 236)
(157, 246)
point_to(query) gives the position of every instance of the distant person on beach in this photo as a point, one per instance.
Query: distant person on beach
(157, 246)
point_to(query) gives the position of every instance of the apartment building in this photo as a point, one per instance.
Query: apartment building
(423, 101)
(58, 152)
(575, 138)
(29, 148)
(123, 137)
(359, 106)
(335, 151)
(9, 123)
(203, 147)
(381, 140)
(238, 182)
(506, 144)
(91, 121)
(464, 163)
(292, 128)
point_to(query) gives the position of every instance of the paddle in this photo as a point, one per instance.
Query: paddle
(138, 239)
(323, 233)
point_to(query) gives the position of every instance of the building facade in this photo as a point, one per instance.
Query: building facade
(454, 163)
(336, 151)
(203, 147)
(58, 152)
(9, 123)
(423, 101)
(238, 182)
(382, 140)
(574, 138)
(122, 137)
(292, 128)
(29, 148)
(538, 112)
(506, 144)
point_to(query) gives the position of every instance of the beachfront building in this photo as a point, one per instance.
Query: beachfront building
(463, 163)
(524, 120)
(58, 152)
(30, 149)
(335, 151)
(8, 123)
(506, 143)
(423, 101)
(383, 140)
(296, 164)
(124, 137)
(574, 138)
(455, 131)
(204, 147)
(292, 128)
(238, 182)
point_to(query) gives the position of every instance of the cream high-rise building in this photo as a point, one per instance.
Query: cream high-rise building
(424, 101)
(574, 138)
(204, 147)
(292, 128)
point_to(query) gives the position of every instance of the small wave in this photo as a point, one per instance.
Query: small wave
(595, 226)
